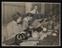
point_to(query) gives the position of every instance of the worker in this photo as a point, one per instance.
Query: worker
(14, 27)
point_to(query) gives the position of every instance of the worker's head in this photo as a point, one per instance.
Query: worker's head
(35, 7)
(28, 14)
(17, 17)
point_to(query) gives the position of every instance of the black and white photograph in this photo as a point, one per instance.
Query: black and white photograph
(31, 24)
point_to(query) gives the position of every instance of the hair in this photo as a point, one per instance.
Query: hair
(16, 16)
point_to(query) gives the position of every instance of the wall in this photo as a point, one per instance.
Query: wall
(42, 8)
(9, 9)
(28, 7)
